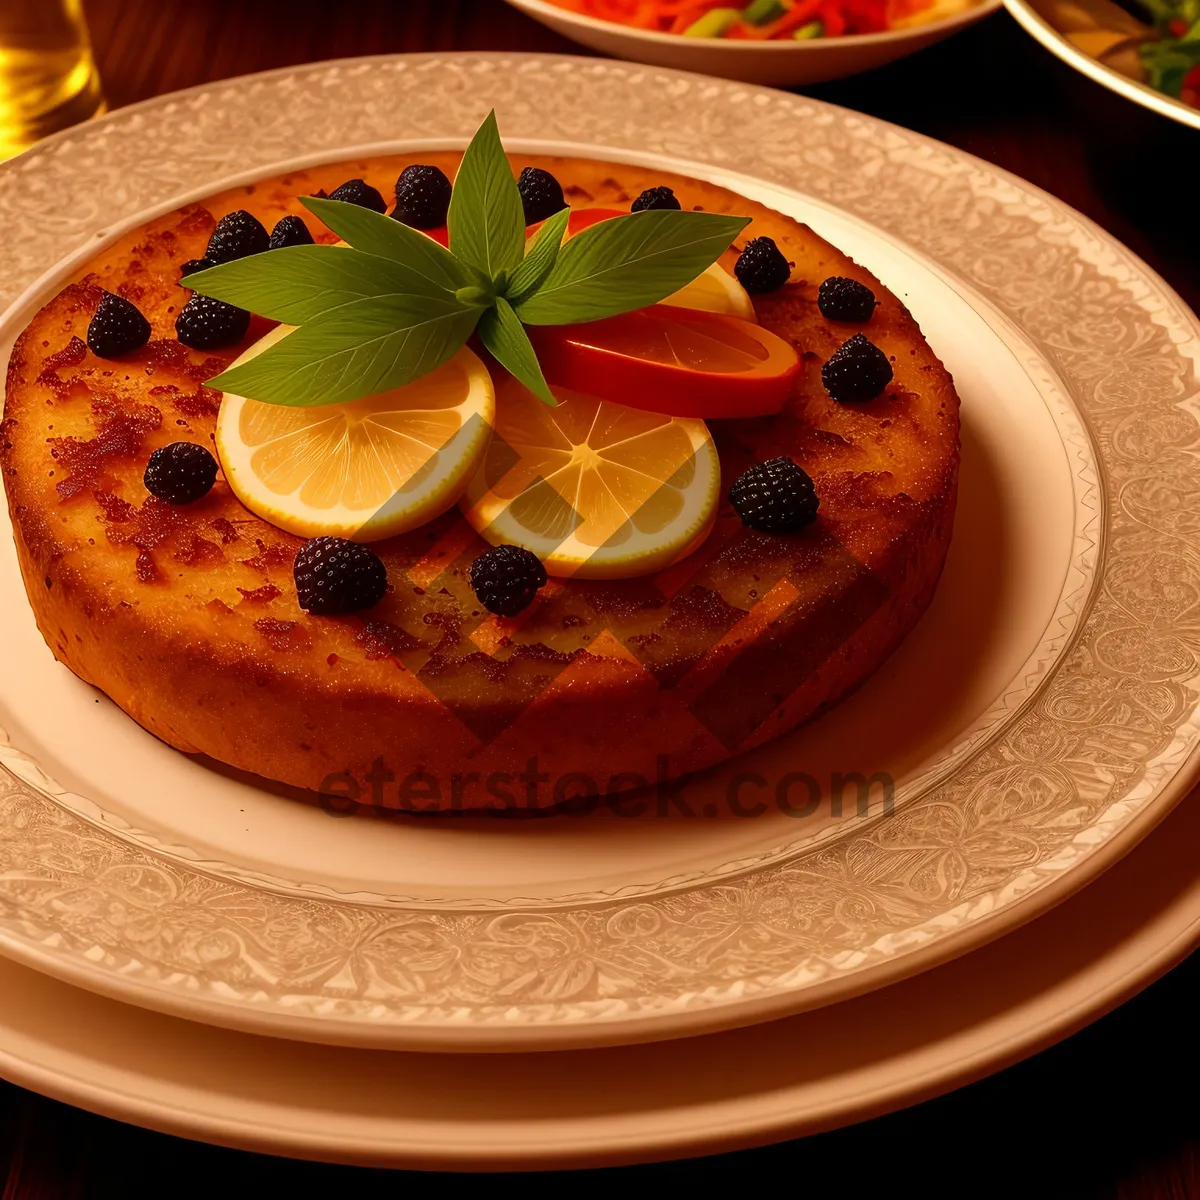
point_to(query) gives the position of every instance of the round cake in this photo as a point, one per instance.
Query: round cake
(188, 618)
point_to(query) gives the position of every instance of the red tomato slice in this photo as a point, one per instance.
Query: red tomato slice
(678, 361)
(581, 219)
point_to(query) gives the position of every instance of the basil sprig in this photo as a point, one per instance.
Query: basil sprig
(393, 305)
(629, 262)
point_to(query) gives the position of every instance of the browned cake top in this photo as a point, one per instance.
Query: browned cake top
(78, 430)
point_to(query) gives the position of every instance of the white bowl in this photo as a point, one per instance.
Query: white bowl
(782, 62)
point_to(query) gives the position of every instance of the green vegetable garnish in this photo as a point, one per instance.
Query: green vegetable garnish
(714, 23)
(814, 29)
(1163, 11)
(627, 263)
(1167, 63)
(1175, 53)
(761, 12)
(394, 305)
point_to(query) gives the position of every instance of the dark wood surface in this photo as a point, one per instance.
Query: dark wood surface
(1114, 1111)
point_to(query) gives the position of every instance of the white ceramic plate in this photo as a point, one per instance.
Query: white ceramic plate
(1034, 18)
(586, 1108)
(1037, 724)
(785, 63)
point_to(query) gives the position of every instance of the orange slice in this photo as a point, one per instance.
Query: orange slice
(595, 489)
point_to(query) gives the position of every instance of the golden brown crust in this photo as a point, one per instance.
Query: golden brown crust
(188, 618)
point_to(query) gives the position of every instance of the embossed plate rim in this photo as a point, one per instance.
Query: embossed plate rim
(158, 1088)
(896, 150)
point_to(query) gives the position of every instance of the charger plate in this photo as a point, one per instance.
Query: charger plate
(1037, 724)
(587, 1108)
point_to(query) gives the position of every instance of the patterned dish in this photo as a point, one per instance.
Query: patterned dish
(1036, 725)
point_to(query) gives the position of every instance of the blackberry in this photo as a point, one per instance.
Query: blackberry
(422, 197)
(207, 324)
(858, 370)
(358, 191)
(655, 198)
(761, 266)
(541, 195)
(336, 576)
(775, 496)
(289, 231)
(237, 235)
(181, 473)
(116, 328)
(506, 579)
(195, 264)
(842, 299)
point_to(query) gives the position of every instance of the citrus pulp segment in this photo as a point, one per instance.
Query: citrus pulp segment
(595, 489)
(715, 291)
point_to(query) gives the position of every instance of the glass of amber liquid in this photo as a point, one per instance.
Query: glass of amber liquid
(48, 78)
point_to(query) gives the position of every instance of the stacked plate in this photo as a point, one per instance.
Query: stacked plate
(196, 951)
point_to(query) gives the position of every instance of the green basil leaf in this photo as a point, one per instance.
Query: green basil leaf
(627, 263)
(299, 283)
(540, 259)
(502, 333)
(374, 233)
(487, 220)
(354, 351)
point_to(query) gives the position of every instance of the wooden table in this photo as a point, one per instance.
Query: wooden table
(1115, 1111)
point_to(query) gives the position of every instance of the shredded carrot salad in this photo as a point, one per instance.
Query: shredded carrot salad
(765, 20)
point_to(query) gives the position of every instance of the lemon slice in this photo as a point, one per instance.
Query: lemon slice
(366, 470)
(596, 490)
(715, 291)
